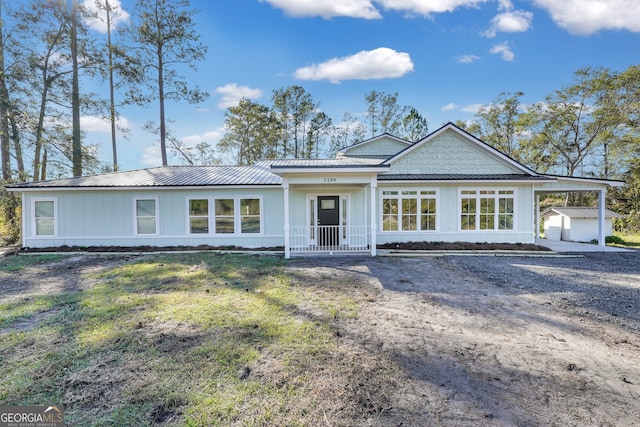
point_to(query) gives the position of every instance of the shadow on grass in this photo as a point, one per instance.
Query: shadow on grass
(170, 340)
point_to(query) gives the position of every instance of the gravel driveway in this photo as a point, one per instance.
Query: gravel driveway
(499, 341)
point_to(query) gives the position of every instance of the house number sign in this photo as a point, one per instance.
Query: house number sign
(329, 180)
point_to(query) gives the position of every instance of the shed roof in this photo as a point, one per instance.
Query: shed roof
(579, 212)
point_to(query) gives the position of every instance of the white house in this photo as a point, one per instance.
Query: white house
(577, 224)
(449, 186)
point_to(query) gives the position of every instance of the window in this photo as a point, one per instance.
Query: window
(45, 217)
(225, 216)
(389, 211)
(199, 216)
(250, 215)
(486, 210)
(146, 218)
(505, 210)
(225, 223)
(409, 210)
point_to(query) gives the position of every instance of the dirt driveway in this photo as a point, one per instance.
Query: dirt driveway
(499, 341)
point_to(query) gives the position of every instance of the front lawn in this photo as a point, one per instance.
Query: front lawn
(186, 339)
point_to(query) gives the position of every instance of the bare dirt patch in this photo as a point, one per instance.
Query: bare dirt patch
(498, 341)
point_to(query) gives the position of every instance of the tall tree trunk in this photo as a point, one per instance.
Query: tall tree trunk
(43, 177)
(17, 148)
(39, 131)
(112, 108)
(75, 96)
(163, 128)
(5, 144)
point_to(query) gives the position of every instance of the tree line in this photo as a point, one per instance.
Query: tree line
(293, 126)
(47, 48)
(588, 127)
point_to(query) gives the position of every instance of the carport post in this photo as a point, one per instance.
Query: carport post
(374, 213)
(287, 228)
(601, 216)
(536, 234)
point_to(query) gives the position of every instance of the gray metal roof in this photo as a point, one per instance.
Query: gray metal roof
(167, 176)
(580, 212)
(340, 162)
(461, 177)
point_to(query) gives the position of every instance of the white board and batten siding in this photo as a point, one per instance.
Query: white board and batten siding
(108, 218)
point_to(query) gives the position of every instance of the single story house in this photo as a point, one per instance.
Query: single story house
(577, 224)
(449, 186)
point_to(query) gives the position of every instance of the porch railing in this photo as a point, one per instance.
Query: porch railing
(330, 238)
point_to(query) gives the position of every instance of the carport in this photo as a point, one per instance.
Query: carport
(564, 185)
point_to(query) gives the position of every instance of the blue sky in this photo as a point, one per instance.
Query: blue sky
(444, 57)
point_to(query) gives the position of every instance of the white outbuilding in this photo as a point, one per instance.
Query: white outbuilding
(576, 224)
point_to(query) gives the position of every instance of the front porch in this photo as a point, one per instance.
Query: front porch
(329, 206)
(330, 239)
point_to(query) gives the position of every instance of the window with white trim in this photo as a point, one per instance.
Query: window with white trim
(487, 209)
(228, 215)
(249, 216)
(225, 223)
(199, 216)
(146, 216)
(409, 210)
(44, 215)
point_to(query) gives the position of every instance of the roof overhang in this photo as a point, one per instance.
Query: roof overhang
(569, 184)
(32, 189)
(311, 170)
(462, 181)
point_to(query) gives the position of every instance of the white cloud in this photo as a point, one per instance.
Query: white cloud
(503, 50)
(380, 63)
(327, 8)
(466, 59)
(516, 21)
(232, 93)
(505, 5)
(100, 125)
(590, 16)
(426, 7)
(472, 108)
(365, 8)
(449, 107)
(151, 156)
(118, 15)
(212, 137)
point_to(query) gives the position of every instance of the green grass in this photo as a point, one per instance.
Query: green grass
(17, 263)
(630, 240)
(167, 339)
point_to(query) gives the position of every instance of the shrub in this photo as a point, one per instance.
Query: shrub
(9, 218)
(614, 240)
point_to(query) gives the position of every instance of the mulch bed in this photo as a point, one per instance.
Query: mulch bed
(422, 246)
(463, 246)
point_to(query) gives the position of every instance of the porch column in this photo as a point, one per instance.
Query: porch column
(601, 216)
(537, 217)
(287, 229)
(374, 213)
